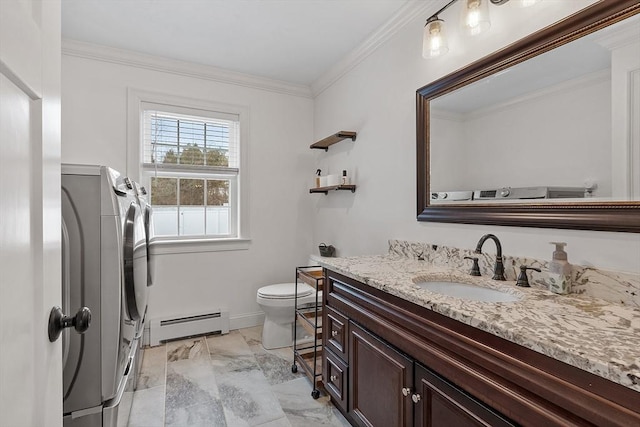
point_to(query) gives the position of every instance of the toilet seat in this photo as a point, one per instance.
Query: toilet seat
(285, 291)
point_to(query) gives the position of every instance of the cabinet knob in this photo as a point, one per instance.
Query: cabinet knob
(406, 391)
(415, 398)
(334, 333)
(332, 378)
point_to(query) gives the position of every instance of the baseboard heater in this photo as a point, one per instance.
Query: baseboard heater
(162, 330)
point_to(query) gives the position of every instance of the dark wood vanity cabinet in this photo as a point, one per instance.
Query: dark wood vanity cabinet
(392, 363)
(389, 388)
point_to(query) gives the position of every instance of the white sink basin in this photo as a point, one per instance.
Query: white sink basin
(468, 292)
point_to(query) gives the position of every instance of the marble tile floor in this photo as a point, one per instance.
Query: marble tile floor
(226, 380)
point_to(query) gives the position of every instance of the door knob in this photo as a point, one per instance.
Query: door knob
(58, 321)
(415, 398)
(406, 391)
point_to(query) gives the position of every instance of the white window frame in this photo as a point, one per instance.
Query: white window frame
(138, 101)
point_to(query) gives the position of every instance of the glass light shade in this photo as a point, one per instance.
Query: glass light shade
(434, 40)
(475, 16)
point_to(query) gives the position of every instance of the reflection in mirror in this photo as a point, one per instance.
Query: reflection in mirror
(580, 150)
(558, 127)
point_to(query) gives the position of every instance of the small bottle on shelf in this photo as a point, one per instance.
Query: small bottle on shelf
(345, 178)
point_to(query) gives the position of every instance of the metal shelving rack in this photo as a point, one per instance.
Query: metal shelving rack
(308, 353)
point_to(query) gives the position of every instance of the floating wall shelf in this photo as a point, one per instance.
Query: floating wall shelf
(324, 144)
(326, 190)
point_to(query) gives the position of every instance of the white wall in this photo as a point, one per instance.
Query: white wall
(94, 130)
(377, 99)
(450, 160)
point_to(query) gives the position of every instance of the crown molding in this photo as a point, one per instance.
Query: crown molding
(155, 63)
(402, 17)
(623, 34)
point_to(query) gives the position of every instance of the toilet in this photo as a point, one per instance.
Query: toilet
(277, 302)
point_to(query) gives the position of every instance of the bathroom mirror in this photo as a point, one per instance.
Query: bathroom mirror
(543, 133)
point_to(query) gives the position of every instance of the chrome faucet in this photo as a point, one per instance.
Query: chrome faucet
(498, 270)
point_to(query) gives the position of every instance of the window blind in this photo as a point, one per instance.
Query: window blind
(174, 141)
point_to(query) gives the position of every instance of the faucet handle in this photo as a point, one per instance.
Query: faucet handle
(523, 280)
(475, 269)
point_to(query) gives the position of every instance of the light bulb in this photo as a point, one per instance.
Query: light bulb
(434, 41)
(475, 16)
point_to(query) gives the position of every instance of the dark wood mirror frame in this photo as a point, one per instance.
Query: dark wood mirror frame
(601, 216)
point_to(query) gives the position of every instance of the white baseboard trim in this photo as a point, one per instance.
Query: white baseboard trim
(246, 320)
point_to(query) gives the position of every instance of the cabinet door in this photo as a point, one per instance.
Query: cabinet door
(377, 376)
(442, 404)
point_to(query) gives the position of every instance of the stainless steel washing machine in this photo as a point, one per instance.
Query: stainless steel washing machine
(147, 213)
(104, 269)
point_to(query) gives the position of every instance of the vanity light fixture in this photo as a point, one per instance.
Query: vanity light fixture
(475, 16)
(475, 20)
(434, 40)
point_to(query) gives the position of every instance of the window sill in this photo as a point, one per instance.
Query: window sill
(162, 246)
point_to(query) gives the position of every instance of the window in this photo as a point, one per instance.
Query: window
(191, 165)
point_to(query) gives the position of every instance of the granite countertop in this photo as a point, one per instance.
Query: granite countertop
(588, 333)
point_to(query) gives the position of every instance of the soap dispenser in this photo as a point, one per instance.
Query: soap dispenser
(559, 270)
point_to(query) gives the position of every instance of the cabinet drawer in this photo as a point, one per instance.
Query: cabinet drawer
(335, 377)
(337, 333)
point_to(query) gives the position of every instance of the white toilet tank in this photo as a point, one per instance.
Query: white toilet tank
(278, 302)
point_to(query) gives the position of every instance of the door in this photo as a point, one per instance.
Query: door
(378, 378)
(135, 263)
(625, 111)
(440, 403)
(30, 265)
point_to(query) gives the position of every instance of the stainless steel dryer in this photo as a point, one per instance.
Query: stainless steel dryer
(104, 256)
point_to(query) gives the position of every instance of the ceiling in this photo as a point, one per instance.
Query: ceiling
(295, 41)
